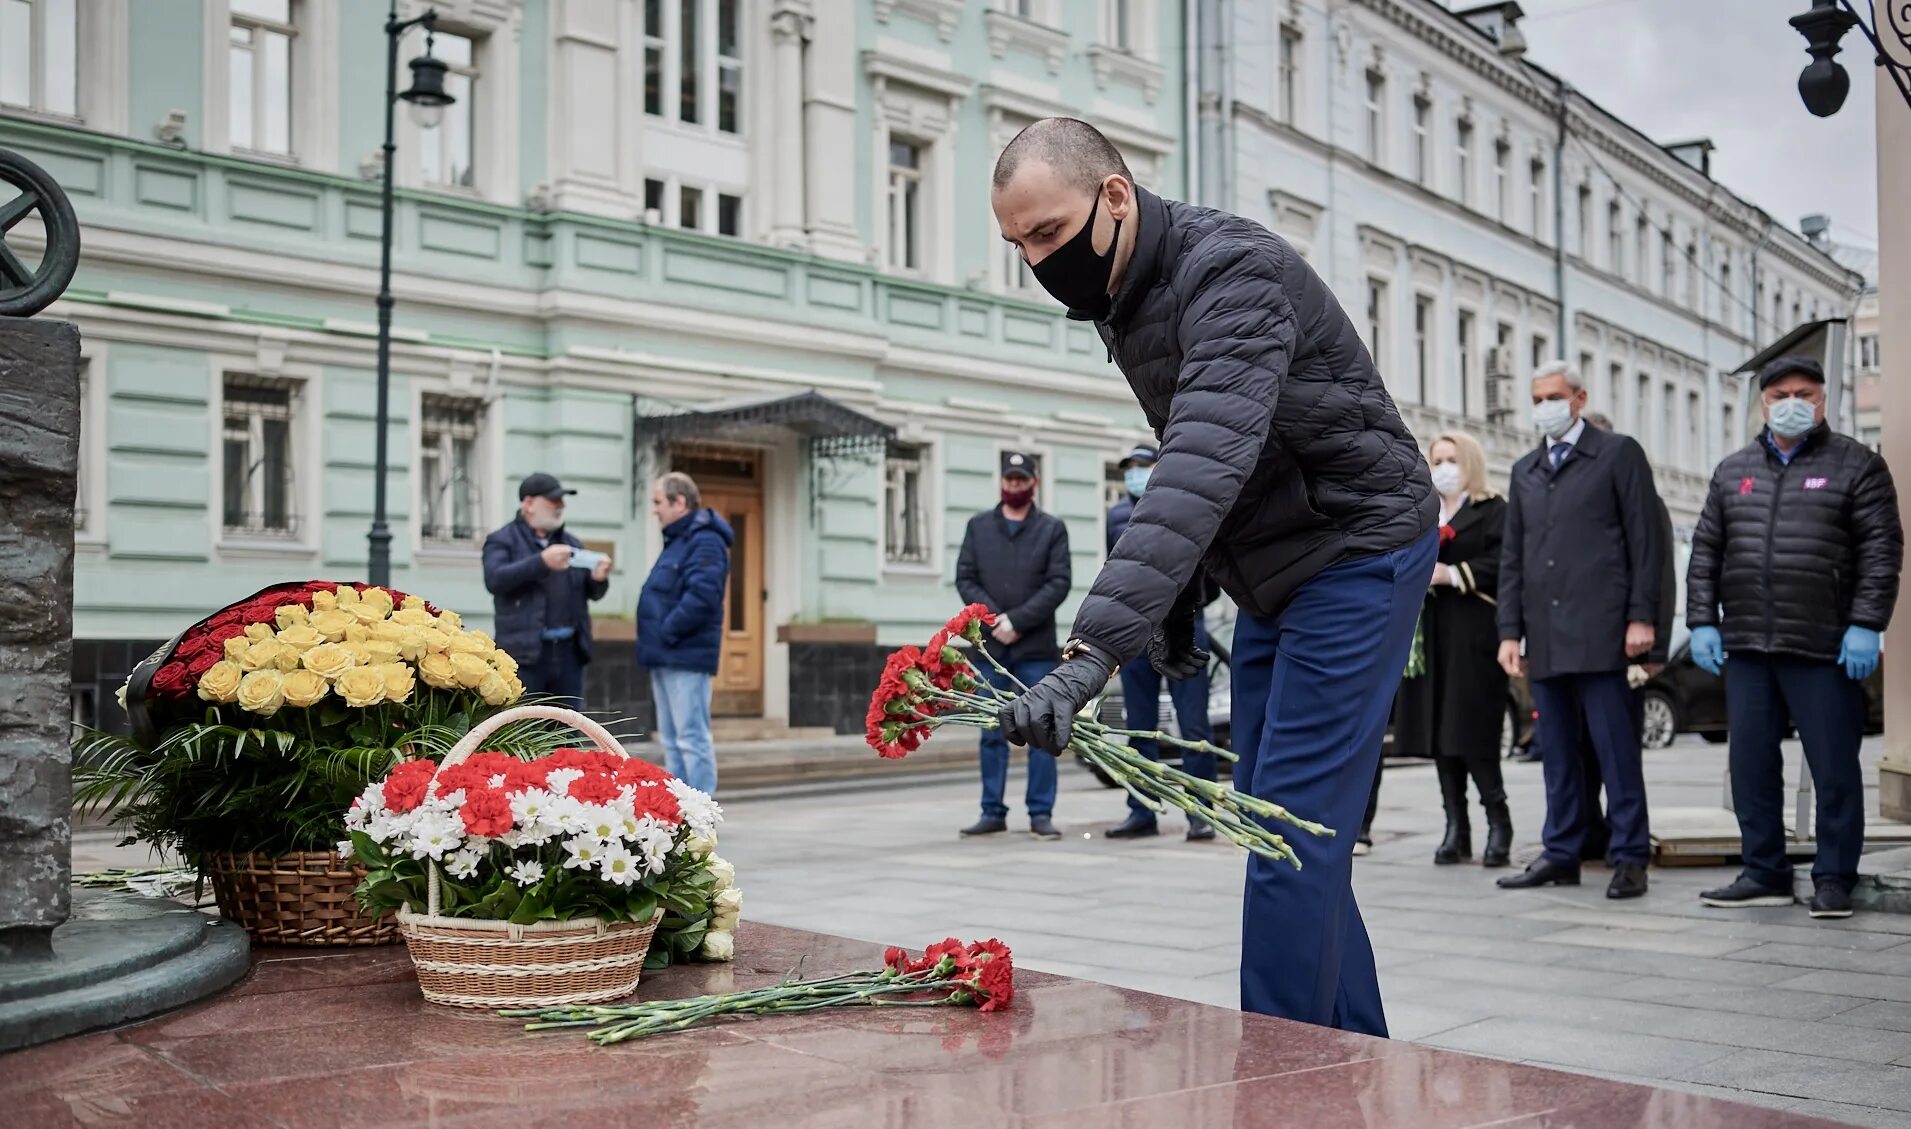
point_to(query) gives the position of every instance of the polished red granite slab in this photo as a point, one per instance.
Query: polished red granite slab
(316, 1038)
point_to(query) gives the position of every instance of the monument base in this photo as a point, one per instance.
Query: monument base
(1894, 789)
(119, 957)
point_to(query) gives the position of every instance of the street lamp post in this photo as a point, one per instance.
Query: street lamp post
(427, 98)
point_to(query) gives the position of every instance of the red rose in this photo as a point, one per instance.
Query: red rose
(594, 788)
(197, 668)
(171, 681)
(486, 812)
(406, 783)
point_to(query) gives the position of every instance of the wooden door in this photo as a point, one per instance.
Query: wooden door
(731, 482)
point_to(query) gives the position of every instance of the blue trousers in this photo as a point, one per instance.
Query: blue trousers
(1604, 704)
(1829, 710)
(1141, 709)
(994, 751)
(682, 698)
(1312, 686)
(557, 672)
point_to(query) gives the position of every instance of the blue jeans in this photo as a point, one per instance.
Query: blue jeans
(1312, 686)
(682, 698)
(1608, 707)
(994, 751)
(1141, 709)
(557, 674)
(1828, 709)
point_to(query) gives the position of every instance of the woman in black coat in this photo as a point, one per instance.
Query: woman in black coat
(1452, 700)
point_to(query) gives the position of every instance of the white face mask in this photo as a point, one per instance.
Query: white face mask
(1553, 417)
(1447, 479)
(1791, 417)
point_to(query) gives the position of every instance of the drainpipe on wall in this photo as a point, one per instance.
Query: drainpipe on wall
(1560, 91)
(1224, 25)
(1209, 97)
(1191, 61)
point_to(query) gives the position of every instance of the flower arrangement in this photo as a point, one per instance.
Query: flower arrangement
(980, 974)
(572, 834)
(922, 689)
(254, 727)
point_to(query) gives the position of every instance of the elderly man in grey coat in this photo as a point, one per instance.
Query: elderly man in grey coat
(1581, 584)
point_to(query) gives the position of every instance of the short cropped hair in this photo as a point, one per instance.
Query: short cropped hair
(1560, 368)
(677, 484)
(1076, 150)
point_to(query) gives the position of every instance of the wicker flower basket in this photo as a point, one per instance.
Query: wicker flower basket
(468, 962)
(302, 898)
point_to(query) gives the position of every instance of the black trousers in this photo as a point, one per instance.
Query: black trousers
(1828, 709)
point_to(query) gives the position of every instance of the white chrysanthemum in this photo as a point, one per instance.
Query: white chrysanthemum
(620, 867)
(345, 848)
(570, 815)
(527, 873)
(355, 817)
(464, 863)
(436, 835)
(497, 781)
(602, 824)
(390, 826)
(372, 799)
(652, 843)
(449, 802)
(628, 825)
(700, 812)
(531, 805)
(559, 780)
(584, 851)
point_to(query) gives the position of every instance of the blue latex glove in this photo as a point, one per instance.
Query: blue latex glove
(1859, 655)
(1708, 649)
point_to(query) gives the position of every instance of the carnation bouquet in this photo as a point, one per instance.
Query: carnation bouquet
(980, 974)
(923, 689)
(255, 727)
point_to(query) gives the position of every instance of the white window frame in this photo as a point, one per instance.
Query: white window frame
(1288, 73)
(1668, 265)
(260, 97)
(1615, 238)
(1541, 347)
(929, 501)
(1376, 92)
(1642, 250)
(919, 105)
(39, 30)
(1422, 151)
(1426, 342)
(1125, 25)
(904, 207)
(1463, 158)
(1584, 217)
(1466, 333)
(483, 473)
(466, 81)
(1502, 153)
(1868, 351)
(1379, 294)
(314, 94)
(305, 494)
(710, 66)
(1536, 195)
(493, 27)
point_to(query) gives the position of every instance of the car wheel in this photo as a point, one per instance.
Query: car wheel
(1661, 724)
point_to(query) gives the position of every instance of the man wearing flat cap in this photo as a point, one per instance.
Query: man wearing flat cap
(541, 591)
(1793, 577)
(1141, 682)
(1014, 561)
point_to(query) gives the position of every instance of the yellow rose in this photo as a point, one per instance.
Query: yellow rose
(332, 624)
(436, 641)
(436, 670)
(481, 637)
(362, 686)
(377, 653)
(288, 657)
(493, 688)
(387, 631)
(413, 617)
(347, 595)
(262, 654)
(412, 644)
(291, 615)
(304, 688)
(366, 613)
(262, 692)
(414, 603)
(324, 602)
(235, 648)
(470, 670)
(450, 621)
(376, 598)
(220, 683)
(328, 660)
(464, 643)
(358, 633)
(503, 661)
(398, 681)
(516, 688)
(258, 631)
(301, 637)
(360, 652)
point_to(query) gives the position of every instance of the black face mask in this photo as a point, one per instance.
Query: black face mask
(1075, 275)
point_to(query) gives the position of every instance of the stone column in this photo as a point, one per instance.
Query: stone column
(1894, 346)
(788, 31)
(39, 473)
(830, 83)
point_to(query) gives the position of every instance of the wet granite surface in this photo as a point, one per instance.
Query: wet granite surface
(343, 1038)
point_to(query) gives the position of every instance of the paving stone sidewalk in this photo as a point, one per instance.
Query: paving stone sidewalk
(1764, 1006)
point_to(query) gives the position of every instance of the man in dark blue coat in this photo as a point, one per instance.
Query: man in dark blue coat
(680, 625)
(1141, 682)
(540, 602)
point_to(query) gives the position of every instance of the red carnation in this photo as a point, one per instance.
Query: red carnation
(896, 958)
(658, 803)
(953, 949)
(491, 763)
(486, 812)
(465, 777)
(526, 774)
(406, 783)
(636, 772)
(970, 621)
(584, 760)
(594, 788)
(1446, 534)
(994, 949)
(995, 983)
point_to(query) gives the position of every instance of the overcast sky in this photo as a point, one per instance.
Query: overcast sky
(1727, 70)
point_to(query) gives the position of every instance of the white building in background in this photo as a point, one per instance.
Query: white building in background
(1478, 217)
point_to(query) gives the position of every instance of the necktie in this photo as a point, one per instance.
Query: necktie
(1559, 453)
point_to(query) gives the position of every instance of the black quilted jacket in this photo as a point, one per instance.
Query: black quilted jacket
(1786, 556)
(1281, 452)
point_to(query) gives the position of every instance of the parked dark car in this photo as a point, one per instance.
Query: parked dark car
(1683, 698)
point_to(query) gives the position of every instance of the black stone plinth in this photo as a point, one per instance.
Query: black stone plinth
(120, 957)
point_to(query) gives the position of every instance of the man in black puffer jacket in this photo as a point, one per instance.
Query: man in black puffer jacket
(1793, 577)
(1286, 472)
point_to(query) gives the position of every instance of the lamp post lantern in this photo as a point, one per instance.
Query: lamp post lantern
(1823, 84)
(427, 98)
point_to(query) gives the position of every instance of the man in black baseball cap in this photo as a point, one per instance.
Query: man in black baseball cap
(541, 581)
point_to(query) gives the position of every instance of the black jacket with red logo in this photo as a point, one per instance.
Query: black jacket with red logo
(1788, 555)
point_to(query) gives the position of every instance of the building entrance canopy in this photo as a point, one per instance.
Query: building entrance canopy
(832, 429)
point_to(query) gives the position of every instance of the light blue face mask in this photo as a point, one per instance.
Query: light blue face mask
(1792, 417)
(1135, 478)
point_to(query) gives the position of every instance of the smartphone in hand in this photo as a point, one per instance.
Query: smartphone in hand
(586, 558)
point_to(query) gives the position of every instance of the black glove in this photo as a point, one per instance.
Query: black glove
(1044, 717)
(1171, 649)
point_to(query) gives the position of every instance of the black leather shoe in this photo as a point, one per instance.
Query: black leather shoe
(1541, 873)
(987, 825)
(1138, 825)
(1042, 827)
(1628, 881)
(1830, 899)
(1200, 833)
